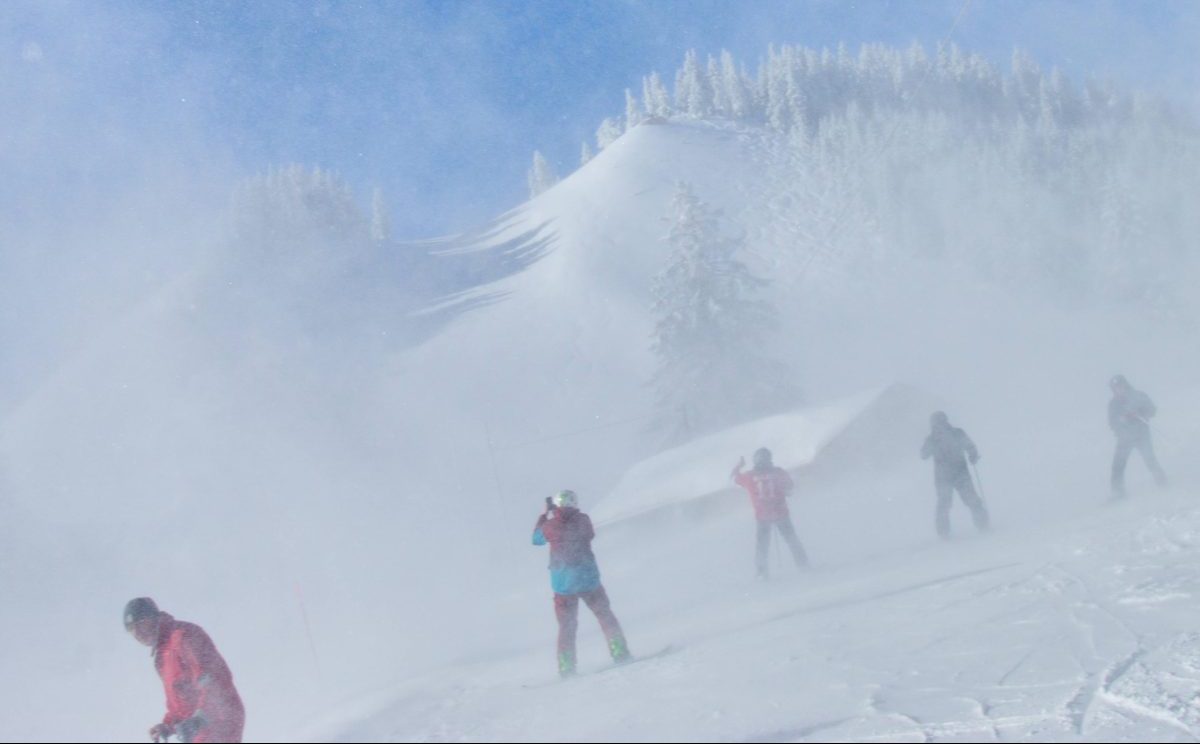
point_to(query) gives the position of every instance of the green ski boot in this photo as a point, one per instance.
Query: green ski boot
(619, 650)
(566, 664)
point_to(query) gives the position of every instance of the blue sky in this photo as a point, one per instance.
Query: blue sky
(442, 103)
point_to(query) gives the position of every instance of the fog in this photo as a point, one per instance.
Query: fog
(323, 432)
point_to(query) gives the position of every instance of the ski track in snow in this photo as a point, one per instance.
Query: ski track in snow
(1063, 640)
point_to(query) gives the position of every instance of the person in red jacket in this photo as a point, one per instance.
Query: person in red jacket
(769, 487)
(202, 703)
(574, 575)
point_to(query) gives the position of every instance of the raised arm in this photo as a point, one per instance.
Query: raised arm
(539, 536)
(737, 469)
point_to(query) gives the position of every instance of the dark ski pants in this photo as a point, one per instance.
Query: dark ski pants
(566, 608)
(1125, 447)
(961, 482)
(762, 543)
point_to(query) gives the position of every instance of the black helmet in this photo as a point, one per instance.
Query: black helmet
(139, 609)
(1118, 382)
(762, 457)
(939, 419)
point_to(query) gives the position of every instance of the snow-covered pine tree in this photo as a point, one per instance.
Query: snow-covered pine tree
(879, 142)
(778, 102)
(716, 83)
(633, 113)
(692, 93)
(610, 129)
(381, 223)
(541, 175)
(296, 211)
(711, 330)
(655, 98)
(736, 93)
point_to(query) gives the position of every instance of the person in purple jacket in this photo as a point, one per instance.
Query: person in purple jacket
(574, 575)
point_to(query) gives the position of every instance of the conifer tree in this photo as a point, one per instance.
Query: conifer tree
(610, 130)
(381, 223)
(541, 175)
(711, 330)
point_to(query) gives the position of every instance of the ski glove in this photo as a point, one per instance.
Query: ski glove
(161, 732)
(189, 727)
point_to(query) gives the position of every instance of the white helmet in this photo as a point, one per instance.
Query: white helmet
(564, 499)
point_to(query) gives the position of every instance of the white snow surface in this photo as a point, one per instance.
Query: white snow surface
(1073, 631)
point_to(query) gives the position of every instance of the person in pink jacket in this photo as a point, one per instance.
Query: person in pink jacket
(202, 703)
(574, 575)
(769, 487)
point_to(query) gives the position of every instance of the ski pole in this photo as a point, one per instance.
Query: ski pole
(975, 470)
(1157, 432)
(312, 645)
(775, 550)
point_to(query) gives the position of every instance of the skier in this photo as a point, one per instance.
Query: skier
(768, 487)
(574, 575)
(202, 703)
(950, 449)
(1128, 413)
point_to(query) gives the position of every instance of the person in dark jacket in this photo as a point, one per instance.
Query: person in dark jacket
(1129, 412)
(202, 703)
(769, 487)
(950, 449)
(574, 575)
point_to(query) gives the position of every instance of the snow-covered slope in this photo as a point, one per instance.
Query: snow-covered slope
(1057, 626)
(566, 346)
(1069, 632)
